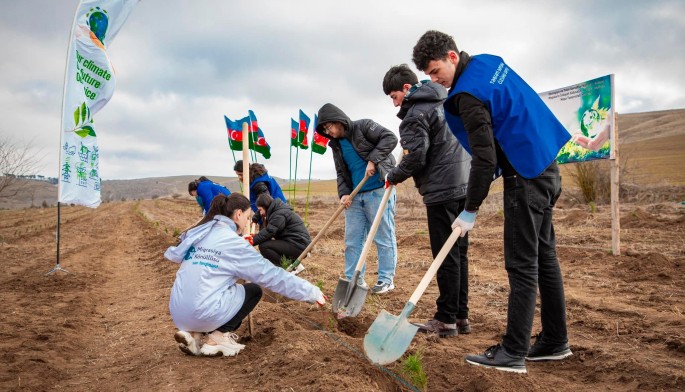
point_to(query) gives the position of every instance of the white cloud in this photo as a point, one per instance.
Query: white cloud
(182, 65)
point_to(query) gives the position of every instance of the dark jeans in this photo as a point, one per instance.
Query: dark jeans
(453, 274)
(253, 293)
(275, 249)
(530, 258)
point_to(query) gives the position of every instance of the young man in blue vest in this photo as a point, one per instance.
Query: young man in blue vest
(440, 167)
(509, 131)
(363, 147)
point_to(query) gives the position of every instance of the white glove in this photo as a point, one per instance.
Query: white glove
(465, 221)
(321, 299)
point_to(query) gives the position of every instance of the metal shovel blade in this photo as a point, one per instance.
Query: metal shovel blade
(349, 298)
(389, 337)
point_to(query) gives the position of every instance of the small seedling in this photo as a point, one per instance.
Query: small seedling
(285, 262)
(319, 284)
(412, 367)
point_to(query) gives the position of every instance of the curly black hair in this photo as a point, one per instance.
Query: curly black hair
(398, 76)
(433, 45)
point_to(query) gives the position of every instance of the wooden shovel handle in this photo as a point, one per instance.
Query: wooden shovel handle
(374, 228)
(376, 223)
(330, 221)
(433, 269)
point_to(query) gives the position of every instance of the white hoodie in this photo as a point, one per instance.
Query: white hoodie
(213, 256)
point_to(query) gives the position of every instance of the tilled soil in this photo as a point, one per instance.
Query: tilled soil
(105, 325)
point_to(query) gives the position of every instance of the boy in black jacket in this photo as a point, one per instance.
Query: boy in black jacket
(440, 168)
(362, 147)
(284, 233)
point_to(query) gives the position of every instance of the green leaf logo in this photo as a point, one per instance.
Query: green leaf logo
(82, 121)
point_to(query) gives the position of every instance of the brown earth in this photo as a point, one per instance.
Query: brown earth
(105, 325)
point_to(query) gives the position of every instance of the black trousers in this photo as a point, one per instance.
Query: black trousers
(453, 274)
(253, 294)
(274, 250)
(530, 258)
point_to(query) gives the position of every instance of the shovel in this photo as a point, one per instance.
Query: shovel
(389, 336)
(316, 239)
(349, 297)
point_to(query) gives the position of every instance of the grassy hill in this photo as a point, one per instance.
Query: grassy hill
(651, 151)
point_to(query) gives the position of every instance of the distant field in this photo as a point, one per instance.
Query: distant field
(652, 152)
(655, 161)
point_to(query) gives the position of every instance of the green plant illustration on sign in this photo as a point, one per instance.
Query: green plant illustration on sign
(591, 120)
(82, 121)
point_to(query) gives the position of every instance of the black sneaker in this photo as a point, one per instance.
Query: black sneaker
(542, 351)
(498, 358)
(436, 326)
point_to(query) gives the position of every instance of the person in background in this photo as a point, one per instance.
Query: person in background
(509, 131)
(204, 190)
(260, 183)
(359, 148)
(440, 168)
(206, 297)
(284, 234)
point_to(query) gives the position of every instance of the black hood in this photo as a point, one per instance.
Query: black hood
(331, 113)
(425, 91)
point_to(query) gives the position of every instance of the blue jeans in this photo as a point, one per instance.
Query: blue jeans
(358, 220)
(530, 258)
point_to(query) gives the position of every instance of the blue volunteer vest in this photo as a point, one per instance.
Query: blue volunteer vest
(274, 190)
(528, 132)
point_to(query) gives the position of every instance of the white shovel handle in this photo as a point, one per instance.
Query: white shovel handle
(332, 218)
(433, 269)
(374, 227)
(376, 223)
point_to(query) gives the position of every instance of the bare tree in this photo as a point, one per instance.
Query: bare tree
(16, 160)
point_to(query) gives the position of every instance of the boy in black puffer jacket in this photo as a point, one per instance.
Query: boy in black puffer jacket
(440, 168)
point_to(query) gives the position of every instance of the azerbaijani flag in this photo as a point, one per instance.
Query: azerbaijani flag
(319, 143)
(304, 129)
(256, 142)
(294, 129)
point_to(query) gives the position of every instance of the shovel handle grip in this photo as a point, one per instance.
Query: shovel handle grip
(326, 226)
(433, 269)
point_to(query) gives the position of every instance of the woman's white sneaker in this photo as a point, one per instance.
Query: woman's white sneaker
(225, 344)
(189, 342)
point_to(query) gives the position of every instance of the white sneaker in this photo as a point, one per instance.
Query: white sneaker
(298, 269)
(188, 342)
(362, 283)
(226, 345)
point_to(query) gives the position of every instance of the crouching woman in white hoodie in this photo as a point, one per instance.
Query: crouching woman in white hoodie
(205, 297)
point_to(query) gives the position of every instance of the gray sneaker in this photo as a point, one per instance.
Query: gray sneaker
(497, 357)
(436, 326)
(382, 288)
(543, 351)
(464, 326)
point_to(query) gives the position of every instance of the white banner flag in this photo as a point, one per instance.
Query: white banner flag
(88, 86)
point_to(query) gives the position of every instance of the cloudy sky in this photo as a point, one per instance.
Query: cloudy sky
(182, 65)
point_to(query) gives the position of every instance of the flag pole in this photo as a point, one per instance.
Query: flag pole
(240, 184)
(309, 180)
(290, 173)
(58, 267)
(297, 158)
